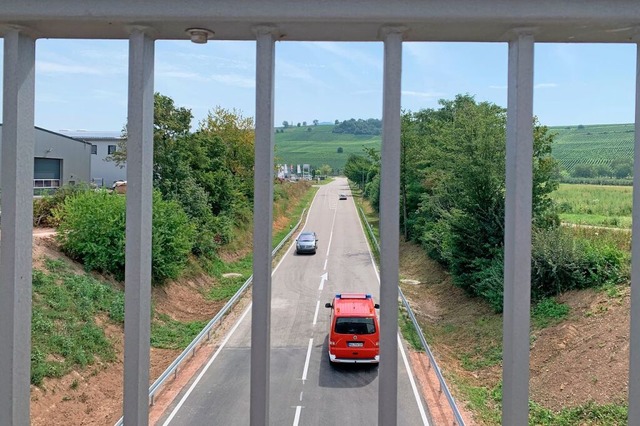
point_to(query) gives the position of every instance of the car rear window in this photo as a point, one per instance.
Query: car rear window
(307, 238)
(355, 325)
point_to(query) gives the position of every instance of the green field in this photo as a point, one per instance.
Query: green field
(595, 205)
(298, 145)
(592, 144)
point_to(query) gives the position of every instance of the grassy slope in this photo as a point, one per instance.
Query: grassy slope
(320, 146)
(592, 144)
(595, 205)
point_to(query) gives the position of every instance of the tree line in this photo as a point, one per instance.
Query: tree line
(452, 193)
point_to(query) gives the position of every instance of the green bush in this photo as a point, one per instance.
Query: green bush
(92, 230)
(44, 207)
(561, 262)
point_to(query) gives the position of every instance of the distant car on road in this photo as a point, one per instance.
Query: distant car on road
(342, 196)
(354, 333)
(307, 242)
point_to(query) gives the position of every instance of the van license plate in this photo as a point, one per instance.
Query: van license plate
(355, 344)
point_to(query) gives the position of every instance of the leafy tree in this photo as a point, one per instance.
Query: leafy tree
(339, 150)
(583, 170)
(622, 168)
(315, 122)
(453, 186)
(337, 122)
(309, 129)
(285, 124)
(325, 170)
(298, 124)
(304, 123)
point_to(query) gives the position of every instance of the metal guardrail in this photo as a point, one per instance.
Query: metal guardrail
(206, 331)
(423, 341)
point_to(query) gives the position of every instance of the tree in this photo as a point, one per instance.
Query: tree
(309, 129)
(584, 171)
(337, 122)
(298, 124)
(325, 170)
(285, 124)
(315, 122)
(339, 150)
(304, 123)
(453, 187)
(622, 168)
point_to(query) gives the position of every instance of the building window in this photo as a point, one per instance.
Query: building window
(111, 149)
(94, 149)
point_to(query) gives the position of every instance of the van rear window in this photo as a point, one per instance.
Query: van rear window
(355, 325)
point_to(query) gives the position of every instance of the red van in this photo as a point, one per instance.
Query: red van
(354, 334)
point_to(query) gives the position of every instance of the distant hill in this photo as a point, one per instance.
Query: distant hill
(298, 145)
(597, 144)
(577, 144)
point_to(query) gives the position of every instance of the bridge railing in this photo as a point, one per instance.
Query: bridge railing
(423, 341)
(172, 370)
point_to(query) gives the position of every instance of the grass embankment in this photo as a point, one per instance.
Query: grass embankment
(595, 205)
(465, 335)
(71, 310)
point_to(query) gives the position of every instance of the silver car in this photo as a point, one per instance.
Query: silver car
(307, 242)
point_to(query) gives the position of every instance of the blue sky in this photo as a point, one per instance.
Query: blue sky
(82, 84)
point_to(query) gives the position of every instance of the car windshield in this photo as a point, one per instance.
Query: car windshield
(306, 237)
(355, 325)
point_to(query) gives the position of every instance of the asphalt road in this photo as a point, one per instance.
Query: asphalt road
(305, 389)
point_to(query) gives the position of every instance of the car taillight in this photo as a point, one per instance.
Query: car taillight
(332, 343)
(377, 343)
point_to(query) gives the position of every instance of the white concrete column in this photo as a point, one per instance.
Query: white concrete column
(137, 319)
(390, 226)
(18, 139)
(262, 227)
(517, 238)
(634, 342)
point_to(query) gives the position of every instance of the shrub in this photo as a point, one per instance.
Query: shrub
(92, 230)
(561, 262)
(43, 207)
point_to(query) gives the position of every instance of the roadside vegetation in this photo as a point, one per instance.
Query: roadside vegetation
(452, 206)
(202, 225)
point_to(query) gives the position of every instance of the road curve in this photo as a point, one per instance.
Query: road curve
(305, 389)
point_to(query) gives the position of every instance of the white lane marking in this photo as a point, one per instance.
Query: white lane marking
(324, 277)
(425, 421)
(332, 226)
(206, 367)
(301, 395)
(325, 264)
(296, 419)
(404, 357)
(306, 361)
(315, 316)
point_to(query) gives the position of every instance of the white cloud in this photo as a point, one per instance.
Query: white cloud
(422, 94)
(545, 85)
(234, 80)
(46, 67)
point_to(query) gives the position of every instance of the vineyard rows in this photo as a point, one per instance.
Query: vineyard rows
(592, 144)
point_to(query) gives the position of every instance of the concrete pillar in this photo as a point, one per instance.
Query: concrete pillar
(18, 139)
(262, 227)
(517, 238)
(390, 226)
(634, 343)
(137, 319)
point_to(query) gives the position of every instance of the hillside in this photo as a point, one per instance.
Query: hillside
(298, 145)
(592, 144)
(588, 144)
